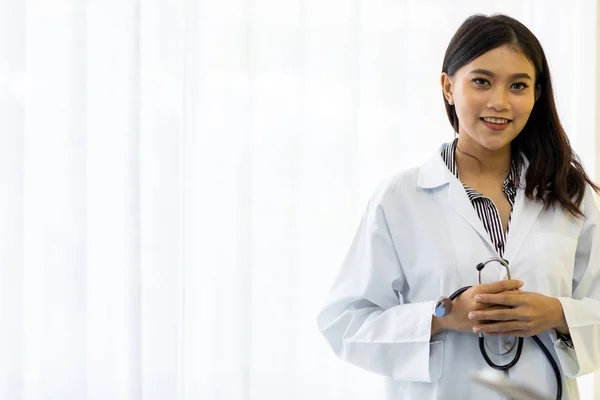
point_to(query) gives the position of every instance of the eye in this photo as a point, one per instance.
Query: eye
(481, 82)
(519, 86)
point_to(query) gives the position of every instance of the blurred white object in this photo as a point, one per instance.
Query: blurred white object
(497, 382)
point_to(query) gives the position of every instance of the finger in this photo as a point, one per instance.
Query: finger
(505, 299)
(501, 327)
(500, 314)
(483, 306)
(511, 333)
(500, 286)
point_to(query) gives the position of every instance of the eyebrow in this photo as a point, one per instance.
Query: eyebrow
(491, 74)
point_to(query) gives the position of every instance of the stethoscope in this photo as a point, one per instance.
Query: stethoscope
(482, 346)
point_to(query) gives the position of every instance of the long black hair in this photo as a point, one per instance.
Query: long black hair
(555, 174)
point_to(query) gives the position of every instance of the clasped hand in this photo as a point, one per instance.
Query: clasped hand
(502, 309)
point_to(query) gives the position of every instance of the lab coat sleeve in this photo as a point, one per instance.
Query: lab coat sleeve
(582, 310)
(363, 319)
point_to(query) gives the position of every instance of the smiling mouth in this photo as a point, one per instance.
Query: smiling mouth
(497, 121)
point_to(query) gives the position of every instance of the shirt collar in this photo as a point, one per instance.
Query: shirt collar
(510, 183)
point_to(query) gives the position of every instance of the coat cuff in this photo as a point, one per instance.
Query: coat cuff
(577, 358)
(425, 356)
(567, 356)
(429, 348)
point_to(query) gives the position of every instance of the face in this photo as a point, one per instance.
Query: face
(493, 97)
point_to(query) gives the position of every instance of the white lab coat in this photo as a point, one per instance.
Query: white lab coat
(420, 238)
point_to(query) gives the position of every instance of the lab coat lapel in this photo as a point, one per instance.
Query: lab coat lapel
(525, 213)
(459, 200)
(435, 173)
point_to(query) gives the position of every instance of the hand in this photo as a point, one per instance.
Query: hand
(525, 314)
(463, 305)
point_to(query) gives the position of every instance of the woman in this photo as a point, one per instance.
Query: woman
(510, 186)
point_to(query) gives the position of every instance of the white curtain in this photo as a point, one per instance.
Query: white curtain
(180, 180)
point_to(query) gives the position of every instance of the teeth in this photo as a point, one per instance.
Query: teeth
(496, 120)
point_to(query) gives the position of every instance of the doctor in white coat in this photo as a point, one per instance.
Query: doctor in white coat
(509, 186)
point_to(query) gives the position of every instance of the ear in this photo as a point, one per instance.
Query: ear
(446, 82)
(538, 92)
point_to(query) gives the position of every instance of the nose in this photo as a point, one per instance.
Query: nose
(499, 99)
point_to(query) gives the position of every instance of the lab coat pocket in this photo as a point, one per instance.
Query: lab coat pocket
(554, 262)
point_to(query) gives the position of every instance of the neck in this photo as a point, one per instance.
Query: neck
(473, 159)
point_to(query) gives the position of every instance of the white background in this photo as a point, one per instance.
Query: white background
(180, 180)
